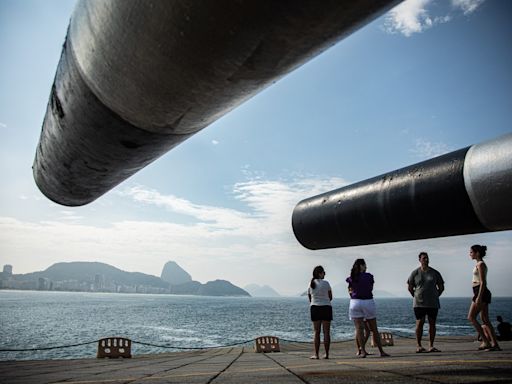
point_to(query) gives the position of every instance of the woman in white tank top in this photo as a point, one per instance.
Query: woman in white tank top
(481, 300)
(320, 297)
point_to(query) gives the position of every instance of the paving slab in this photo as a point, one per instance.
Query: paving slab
(459, 362)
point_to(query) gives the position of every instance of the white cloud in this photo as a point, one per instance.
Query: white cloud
(253, 245)
(414, 16)
(215, 142)
(2, 125)
(218, 242)
(270, 204)
(408, 17)
(425, 149)
(467, 6)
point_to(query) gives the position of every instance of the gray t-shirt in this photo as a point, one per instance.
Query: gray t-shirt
(425, 287)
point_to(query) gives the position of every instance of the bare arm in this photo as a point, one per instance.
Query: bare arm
(330, 295)
(309, 297)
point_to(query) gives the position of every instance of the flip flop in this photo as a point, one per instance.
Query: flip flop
(484, 347)
(495, 348)
(434, 349)
(421, 350)
(314, 357)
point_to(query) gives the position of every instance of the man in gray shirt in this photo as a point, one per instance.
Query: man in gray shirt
(426, 285)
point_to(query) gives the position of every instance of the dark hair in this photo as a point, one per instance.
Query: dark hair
(481, 249)
(316, 275)
(356, 269)
(499, 318)
(421, 254)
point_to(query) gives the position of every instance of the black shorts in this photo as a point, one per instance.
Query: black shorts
(321, 313)
(486, 295)
(421, 312)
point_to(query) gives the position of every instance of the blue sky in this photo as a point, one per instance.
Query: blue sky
(427, 78)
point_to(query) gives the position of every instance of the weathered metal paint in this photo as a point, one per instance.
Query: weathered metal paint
(424, 200)
(488, 180)
(136, 78)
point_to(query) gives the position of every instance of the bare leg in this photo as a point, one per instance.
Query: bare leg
(366, 332)
(474, 310)
(419, 334)
(358, 324)
(316, 338)
(358, 346)
(491, 335)
(431, 332)
(366, 335)
(372, 323)
(326, 328)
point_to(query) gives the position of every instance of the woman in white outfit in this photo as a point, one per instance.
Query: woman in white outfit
(320, 297)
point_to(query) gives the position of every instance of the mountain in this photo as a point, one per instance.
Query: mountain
(101, 277)
(211, 288)
(221, 288)
(382, 294)
(190, 288)
(88, 271)
(261, 290)
(174, 274)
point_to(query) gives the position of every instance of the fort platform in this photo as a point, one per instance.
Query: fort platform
(459, 362)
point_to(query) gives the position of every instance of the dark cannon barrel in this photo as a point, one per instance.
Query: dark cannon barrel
(137, 78)
(462, 192)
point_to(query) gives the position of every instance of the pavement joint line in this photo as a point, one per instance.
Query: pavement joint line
(128, 379)
(226, 368)
(400, 374)
(160, 377)
(346, 362)
(293, 373)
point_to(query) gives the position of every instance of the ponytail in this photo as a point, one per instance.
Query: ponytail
(316, 275)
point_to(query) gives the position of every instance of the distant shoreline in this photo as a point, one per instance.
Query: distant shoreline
(245, 297)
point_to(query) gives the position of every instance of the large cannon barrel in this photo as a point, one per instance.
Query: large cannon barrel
(136, 78)
(462, 192)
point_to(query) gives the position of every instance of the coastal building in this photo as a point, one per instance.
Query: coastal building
(7, 270)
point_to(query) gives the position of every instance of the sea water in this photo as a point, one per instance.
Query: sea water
(30, 319)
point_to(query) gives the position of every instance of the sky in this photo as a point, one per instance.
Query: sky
(427, 78)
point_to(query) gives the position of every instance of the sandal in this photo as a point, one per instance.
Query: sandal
(420, 350)
(495, 348)
(434, 349)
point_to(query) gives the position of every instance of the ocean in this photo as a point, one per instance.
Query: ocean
(33, 319)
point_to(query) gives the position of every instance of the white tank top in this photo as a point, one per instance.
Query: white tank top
(476, 275)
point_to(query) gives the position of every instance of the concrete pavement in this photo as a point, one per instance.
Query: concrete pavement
(459, 362)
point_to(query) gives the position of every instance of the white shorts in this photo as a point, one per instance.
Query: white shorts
(362, 309)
